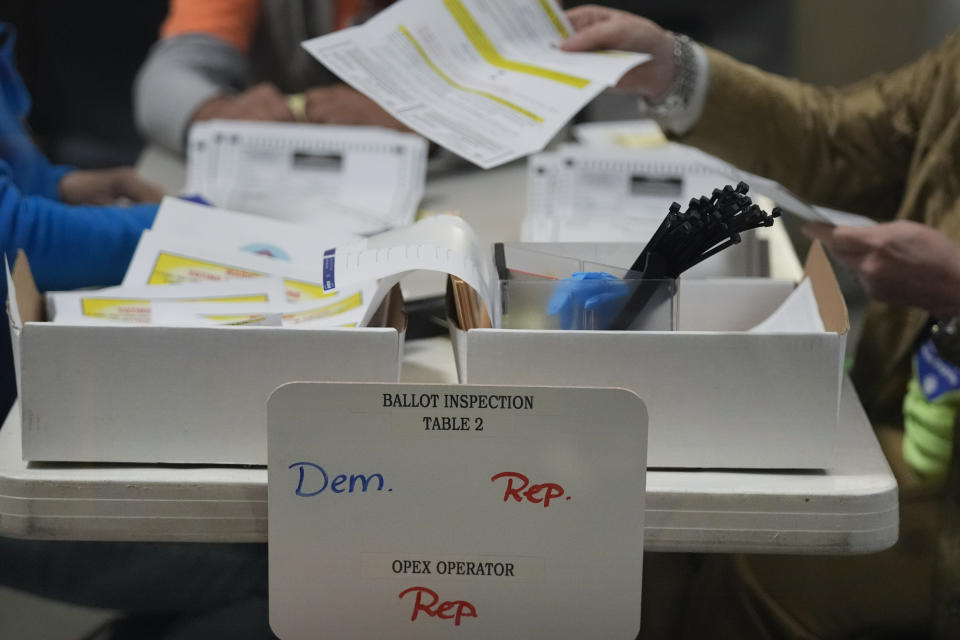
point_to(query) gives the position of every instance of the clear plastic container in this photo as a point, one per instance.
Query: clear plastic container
(546, 291)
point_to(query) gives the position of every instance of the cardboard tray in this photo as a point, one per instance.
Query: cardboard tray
(143, 394)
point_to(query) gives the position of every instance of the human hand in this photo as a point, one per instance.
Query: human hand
(107, 186)
(262, 102)
(899, 262)
(340, 104)
(599, 28)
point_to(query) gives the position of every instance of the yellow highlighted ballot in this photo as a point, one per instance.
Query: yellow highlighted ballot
(489, 52)
(174, 269)
(171, 268)
(554, 18)
(457, 85)
(137, 310)
(317, 313)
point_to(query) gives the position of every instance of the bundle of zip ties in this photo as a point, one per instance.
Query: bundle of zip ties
(687, 238)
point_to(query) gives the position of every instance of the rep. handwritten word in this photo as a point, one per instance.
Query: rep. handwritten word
(429, 603)
(319, 481)
(520, 489)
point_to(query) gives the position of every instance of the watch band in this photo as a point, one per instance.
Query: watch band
(684, 80)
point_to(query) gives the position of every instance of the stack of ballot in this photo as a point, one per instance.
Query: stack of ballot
(202, 266)
(353, 180)
(621, 178)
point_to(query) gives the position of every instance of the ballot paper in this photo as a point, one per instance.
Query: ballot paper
(135, 304)
(482, 78)
(246, 232)
(451, 248)
(344, 311)
(237, 314)
(344, 180)
(581, 193)
(161, 259)
(441, 243)
(620, 134)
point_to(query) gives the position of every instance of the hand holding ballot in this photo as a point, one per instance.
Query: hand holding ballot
(902, 262)
(487, 80)
(599, 28)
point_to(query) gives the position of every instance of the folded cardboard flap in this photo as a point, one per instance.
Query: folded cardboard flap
(833, 309)
(391, 313)
(28, 298)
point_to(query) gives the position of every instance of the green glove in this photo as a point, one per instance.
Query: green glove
(929, 410)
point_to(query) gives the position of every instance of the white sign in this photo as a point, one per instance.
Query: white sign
(455, 511)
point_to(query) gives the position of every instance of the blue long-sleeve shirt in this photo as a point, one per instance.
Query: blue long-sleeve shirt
(68, 246)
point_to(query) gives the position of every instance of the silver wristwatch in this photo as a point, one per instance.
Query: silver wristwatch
(684, 80)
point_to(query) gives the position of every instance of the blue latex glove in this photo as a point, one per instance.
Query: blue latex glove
(587, 300)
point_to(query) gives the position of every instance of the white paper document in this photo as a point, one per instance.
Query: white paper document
(451, 247)
(581, 193)
(247, 232)
(135, 304)
(249, 314)
(482, 78)
(160, 259)
(343, 180)
(620, 134)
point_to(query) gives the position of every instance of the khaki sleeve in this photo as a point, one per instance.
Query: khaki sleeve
(847, 148)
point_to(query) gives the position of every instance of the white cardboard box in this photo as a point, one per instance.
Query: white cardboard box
(174, 394)
(717, 395)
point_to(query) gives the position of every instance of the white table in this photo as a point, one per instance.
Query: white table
(851, 508)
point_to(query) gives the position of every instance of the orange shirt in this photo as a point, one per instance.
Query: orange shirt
(234, 21)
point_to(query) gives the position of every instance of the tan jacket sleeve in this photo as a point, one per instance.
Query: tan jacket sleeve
(847, 148)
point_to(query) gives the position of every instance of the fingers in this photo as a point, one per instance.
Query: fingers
(265, 102)
(262, 102)
(318, 104)
(583, 16)
(130, 185)
(843, 239)
(602, 34)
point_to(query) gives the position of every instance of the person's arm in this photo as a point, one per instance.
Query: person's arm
(902, 263)
(28, 167)
(25, 164)
(196, 72)
(847, 148)
(70, 246)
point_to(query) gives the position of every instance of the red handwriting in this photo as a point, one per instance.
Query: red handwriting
(451, 609)
(535, 493)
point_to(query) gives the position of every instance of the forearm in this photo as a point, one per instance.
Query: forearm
(848, 149)
(71, 246)
(180, 74)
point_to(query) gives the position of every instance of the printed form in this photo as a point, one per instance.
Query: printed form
(343, 180)
(483, 78)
